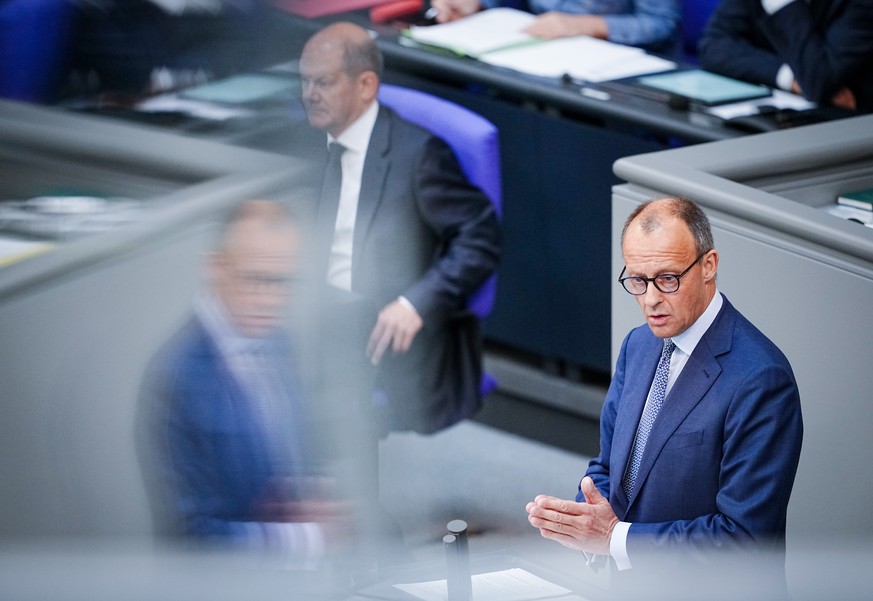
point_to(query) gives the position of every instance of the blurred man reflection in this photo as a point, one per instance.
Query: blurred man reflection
(228, 429)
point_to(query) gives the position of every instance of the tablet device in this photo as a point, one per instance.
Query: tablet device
(243, 89)
(704, 87)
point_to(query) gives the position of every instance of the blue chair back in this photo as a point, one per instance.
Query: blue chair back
(34, 35)
(474, 140)
(695, 15)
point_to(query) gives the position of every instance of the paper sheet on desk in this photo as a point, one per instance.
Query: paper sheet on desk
(582, 58)
(496, 36)
(780, 100)
(172, 103)
(477, 34)
(514, 584)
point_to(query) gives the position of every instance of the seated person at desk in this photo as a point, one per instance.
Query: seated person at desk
(653, 24)
(225, 431)
(822, 49)
(701, 427)
(403, 239)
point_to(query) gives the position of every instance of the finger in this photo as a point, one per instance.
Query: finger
(538, 520)
(375, 336)
(551, 520)
(591, 492)
(401, 340)
(567, 541)
(447, 14)
(379, 351)
(561, 505)
(381, 343)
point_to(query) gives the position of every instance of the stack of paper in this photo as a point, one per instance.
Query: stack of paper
(497, 37)
(583, 58)
(486, 31)
(513, 584)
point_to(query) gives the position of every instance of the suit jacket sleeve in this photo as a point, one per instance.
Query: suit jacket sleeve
(599, 467)
(184, 469)
(825, 50)
(652, 24)
(760, 454)
(465, 223)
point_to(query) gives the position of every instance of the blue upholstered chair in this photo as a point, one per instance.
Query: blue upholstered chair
(695, 15)
(475, 142)
(34, 35)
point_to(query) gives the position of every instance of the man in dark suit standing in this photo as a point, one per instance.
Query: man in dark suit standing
(226, 429)
(402, 232)
(822, 49)
(701, 427)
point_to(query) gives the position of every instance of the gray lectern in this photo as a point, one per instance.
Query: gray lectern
(79, 321)
(802, 275)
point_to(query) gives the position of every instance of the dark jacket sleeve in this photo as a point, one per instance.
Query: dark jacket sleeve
(827, 47)
(466, 224)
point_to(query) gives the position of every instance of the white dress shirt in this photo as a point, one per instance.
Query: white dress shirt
(785, 75)
(355, 139)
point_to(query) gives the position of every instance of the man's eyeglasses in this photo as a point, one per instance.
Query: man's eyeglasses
(666, 282)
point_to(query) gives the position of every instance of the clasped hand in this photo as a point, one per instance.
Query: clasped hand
(580, 526)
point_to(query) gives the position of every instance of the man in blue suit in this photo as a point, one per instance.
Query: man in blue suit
(225, 422)
(706, 460)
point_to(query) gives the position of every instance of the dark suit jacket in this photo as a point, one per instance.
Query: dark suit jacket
(720, 460)
(827, 43)
(206, 457)
(425, 232)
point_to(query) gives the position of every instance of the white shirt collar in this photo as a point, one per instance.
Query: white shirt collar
(215, 318)
(356, 136)
(687, 340)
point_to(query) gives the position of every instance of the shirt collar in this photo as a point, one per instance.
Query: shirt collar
(217, 321)
(356, 136)
(687, 340)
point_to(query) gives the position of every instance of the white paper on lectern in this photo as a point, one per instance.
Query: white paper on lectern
(780, 100)
(514, 584)
(172, 102)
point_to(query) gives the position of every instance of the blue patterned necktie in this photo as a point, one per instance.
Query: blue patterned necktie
(656, 399)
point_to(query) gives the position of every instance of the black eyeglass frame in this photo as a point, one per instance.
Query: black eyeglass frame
(622, 280)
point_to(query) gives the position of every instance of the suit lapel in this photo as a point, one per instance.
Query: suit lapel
(641, 367)
(373, 179)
